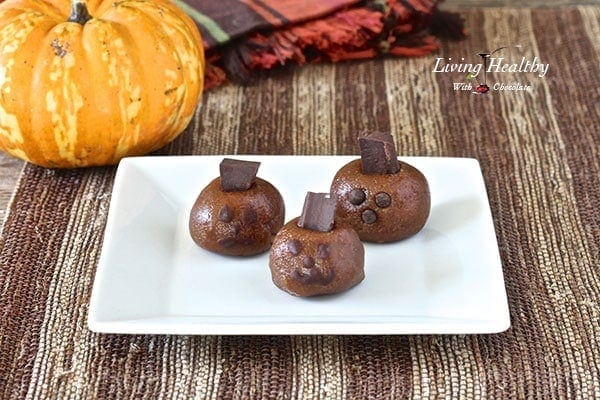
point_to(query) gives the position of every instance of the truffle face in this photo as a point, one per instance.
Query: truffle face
(239, 223)
(381, 207)
(305, 262)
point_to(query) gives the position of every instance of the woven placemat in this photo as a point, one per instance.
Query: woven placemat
(540, 158)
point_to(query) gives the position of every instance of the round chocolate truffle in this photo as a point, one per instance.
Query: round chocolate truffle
(394, 206)
(237, 223)
(306, 262)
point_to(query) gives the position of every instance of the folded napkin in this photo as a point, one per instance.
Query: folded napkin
(242, 36)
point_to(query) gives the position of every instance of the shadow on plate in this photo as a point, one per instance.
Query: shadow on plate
(454, 214)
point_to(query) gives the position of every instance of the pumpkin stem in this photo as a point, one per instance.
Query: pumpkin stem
(79, 12)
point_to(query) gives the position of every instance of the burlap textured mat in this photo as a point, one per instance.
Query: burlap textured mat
(539, 151)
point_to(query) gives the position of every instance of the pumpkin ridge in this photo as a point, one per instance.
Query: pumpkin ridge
(107, 128)
(39, 147)
(192, 65)
(26, 34)
(124, 54)
(64, 100)
(143, 10)
(191, 62)
(96, 39)
(152, 104)
(60, 7)
(35, 7)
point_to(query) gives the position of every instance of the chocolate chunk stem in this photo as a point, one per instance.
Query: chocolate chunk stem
(318, 212)
(237, 175)
(378, 153)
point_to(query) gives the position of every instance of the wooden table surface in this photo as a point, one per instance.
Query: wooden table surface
(10, 167)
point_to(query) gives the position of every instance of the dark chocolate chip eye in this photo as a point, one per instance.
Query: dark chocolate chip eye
(356, 196)
(294, 247)
(308, 262)
(249, 216)
(369, 216)
(322, 251)
(382, 199)
(225, 214)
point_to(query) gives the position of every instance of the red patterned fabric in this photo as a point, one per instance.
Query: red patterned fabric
(245, 36)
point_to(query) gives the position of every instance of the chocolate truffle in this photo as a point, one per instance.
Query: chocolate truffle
(237, 214)
(382, 198)
(313, 256)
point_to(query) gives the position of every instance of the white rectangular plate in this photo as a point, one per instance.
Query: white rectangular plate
(152, 278)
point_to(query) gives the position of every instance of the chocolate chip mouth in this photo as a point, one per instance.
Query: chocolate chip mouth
(227, 242)
(230, 241)
(314, 276)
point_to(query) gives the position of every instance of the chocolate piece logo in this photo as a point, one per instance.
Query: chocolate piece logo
(237, 175)
(378, 153)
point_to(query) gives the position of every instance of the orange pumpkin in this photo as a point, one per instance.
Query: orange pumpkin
(81, 88)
